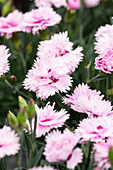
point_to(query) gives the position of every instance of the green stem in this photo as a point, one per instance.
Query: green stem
(19, 158)
(16, 90)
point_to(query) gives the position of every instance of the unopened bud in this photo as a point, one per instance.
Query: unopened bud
(2, 78)
(22, 102)
(29, 48)
(12, 119)
(12, 80)
(22, 116)
(110, 92)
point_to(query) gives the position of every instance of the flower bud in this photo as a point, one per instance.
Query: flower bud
(22, 116)
(2, 78)
(22, 102)
(73, 4)
(31, 108)
(29, 48)
(12, 80)
(12, 119)
(110, 92)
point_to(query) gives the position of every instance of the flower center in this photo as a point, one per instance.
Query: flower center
(100, 127)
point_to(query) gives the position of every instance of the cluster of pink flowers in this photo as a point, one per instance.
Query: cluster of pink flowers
(60, 147)
(4, 64)
(88, 101)
(35, 20)
(98, 127)
(9, 142)
(103, 47)
(47, 119)
(50, 72)
(56, 3)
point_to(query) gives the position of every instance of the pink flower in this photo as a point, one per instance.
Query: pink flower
(47, 77)
(74, 4)
(104, 47)
(91, 3)
(4, 54)
(9, 142)
(95, 129)
(47, 119)
(56, 3)
(102, 152)
(43, 168)
(88, 101)
(104, 37)
(105, 62)
(59, 147)
(40, 19)
(11, 23)
(60, 48)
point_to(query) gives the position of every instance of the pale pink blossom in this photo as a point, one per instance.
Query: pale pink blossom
(60, 48)
(104, 47)
(95, 129)
(56, 3)
(9, 142)
(40, 19)
(105, 62)
(60, 147)
(102, 152)
(88, 101)
(48, 118)
(43, 168)
(47, 77)
(11, 23)
(91, 3)
(4, 64)
(74, 4)
(104, 37)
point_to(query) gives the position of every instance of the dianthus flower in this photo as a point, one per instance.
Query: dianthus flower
(95, 129)
(40, 19)
(60, 48)
(47, 118)
(9, 142)
(56, 3)
(88, 101)
(102, 152)
(11, 23)
(43, 168)
(104, 47)
(60, 147)
(91, 3)
(47, 77)
(4, 54)
(105, 62)
(104, 36)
